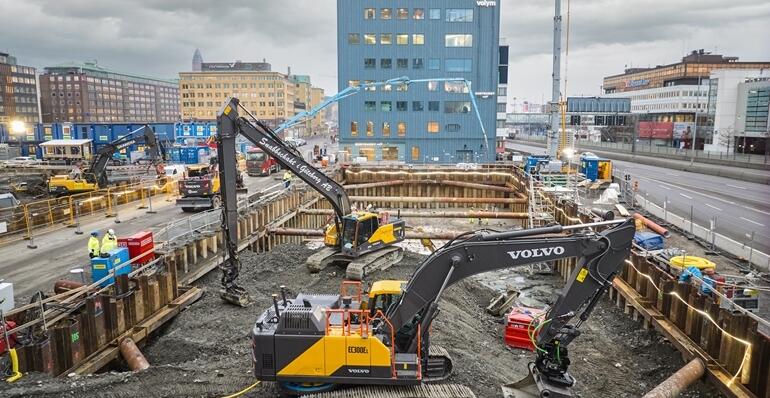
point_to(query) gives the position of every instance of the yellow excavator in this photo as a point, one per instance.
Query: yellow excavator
(334, 346)
(95, 177)
(361, 239)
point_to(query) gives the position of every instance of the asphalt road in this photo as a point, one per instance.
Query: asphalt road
(58, 252)
(739, 208)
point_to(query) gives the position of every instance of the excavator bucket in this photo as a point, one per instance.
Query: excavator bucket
(236, 296)
(533, 386)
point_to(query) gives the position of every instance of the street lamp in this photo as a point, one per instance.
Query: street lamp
(18, 127)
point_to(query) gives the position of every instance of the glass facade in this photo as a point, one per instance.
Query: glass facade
(419, 122)
(757, 106)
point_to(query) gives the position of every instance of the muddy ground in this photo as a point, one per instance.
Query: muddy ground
(204, 352)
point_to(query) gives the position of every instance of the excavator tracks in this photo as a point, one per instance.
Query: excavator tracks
(373, 261)
(418, 391)
(439, 364)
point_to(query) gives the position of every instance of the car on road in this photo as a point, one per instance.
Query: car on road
(22, 161)
(297, 142)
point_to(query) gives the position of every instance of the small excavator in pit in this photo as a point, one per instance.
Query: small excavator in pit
(338, 345)
(358, 238)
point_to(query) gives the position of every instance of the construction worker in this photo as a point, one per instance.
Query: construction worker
(109, 243)
(93, 244)
(286, 179)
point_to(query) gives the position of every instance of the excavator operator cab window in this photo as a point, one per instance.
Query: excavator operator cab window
(366, 229)
(349, 231)
(382, 302)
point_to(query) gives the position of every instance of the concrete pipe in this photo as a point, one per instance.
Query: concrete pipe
(65, 285)
(679, 381)
(132, 355)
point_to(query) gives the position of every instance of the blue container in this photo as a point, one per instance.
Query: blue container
(101, 266)
(649, 240)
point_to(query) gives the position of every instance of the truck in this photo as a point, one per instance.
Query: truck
(259, 163)
(199, 190)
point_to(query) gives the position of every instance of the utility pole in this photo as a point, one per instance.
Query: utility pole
(553, 135)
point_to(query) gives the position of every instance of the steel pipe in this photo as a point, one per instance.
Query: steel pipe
(435, 214)
(679, 381)
(318, 232)
(428, 199)
(65, 285)
(652, 226)
(134, 358)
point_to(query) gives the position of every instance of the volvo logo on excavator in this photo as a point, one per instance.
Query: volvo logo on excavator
(535, 253)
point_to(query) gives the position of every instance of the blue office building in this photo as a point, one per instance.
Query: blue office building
(431, 122)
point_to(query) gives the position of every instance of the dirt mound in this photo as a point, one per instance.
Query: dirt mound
(204, 352)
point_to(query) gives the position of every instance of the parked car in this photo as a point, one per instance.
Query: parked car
(23, 161)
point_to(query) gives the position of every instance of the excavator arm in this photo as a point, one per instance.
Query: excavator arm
(229, 125)
(600, 257)
(98, 168)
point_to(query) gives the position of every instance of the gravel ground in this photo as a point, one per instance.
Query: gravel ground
(204, 352)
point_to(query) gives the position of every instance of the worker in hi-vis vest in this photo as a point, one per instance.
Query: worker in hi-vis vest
(109, 243)
(93, 244)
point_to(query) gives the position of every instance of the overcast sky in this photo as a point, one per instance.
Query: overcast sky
(158, 37)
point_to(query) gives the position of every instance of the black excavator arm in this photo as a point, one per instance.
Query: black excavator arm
(600, 257)
(229, 125)
(97, 172)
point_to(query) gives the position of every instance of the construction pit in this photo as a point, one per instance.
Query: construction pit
(204, 350)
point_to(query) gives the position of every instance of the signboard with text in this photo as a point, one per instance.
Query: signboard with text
(660, 130)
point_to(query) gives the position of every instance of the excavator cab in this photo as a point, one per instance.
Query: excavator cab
(382, 294)
(362, 233)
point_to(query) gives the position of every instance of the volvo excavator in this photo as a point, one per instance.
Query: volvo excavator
(338, 345)
(95, 177)
(358, 238)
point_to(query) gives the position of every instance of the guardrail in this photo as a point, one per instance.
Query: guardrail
(34, 218)
(643, 148)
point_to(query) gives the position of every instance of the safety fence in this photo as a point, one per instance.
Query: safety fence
(31, 219)
(700, 323)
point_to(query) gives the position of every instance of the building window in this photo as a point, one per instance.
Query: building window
(418, 13)
(368, 13)
(354, 129)
(500, 124)
(370, 129)
(386, 63)
(386, 39)
(434, 64)
(434, 13)
(502, 91)
(386, 13)
(459, 15)
(417, 106)
(402, 13)
(370, 105)
(459, 65)
(351, 83)
(433, 106)
(401, 129)
(432, 86)
(353, 38)
(457, 106)
(458, 40)
(433, 127)
(500, 108)
(401, 106)
(386, 129)
(370, 39)
(456, 87)
(416, 153)
(402, 87)
(386, 106)
(370, 63)
(402, 63)
(369, 88)
(417, 63)
(402, 39)
(387, 87)
(418, 39)
(452, 128)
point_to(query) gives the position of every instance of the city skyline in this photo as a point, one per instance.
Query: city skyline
(605, 37)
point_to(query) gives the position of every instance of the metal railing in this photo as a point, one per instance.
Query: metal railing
(646, 147)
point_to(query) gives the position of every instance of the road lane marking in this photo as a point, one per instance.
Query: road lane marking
(688, 197)
(735, 186)
(757, 210)
(664, 187)
(752, 221)
(713, 207)
(679, 188)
